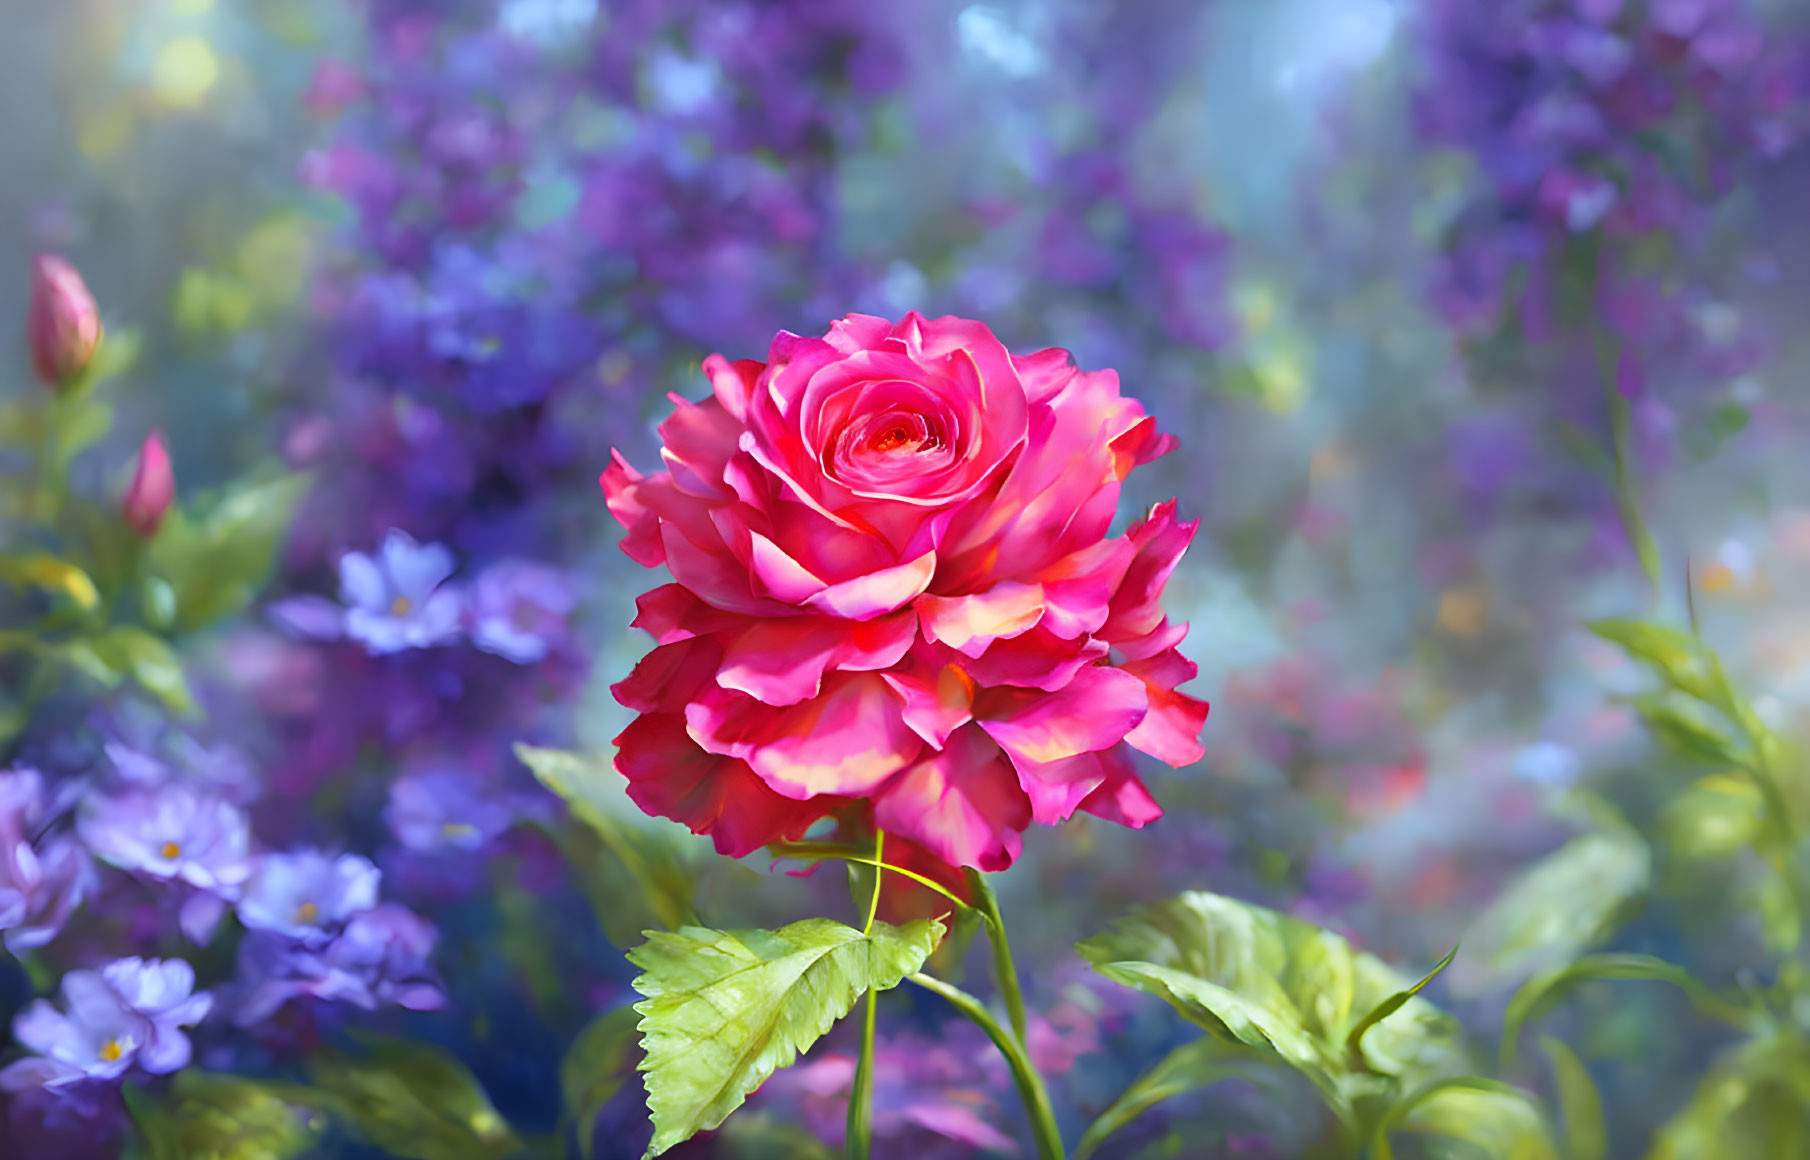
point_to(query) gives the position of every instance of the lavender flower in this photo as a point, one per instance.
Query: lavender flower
(518, 609)
(396, 602)
(380, 958)
(43, 876)
(173, 832)
(129, 1013)
(308, 895)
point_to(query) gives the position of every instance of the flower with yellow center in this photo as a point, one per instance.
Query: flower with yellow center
(111, 1051)
(400, 606)
(307, 912)
(170, 851)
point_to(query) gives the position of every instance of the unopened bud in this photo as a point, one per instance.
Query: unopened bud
(62, 326)
(152, 488)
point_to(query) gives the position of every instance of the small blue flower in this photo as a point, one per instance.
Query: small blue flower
(396, 601)
(172, 831)
(129, 1013)
(308, 895)
(43, 875)
(519, 608)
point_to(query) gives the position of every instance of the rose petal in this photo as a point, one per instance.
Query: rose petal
(1037, 659)
(621, 492)
(847, 740)
(670, 676)
(1094, 711)
(782, 662)
(733, 382)
(1123, 799)
(969, 624)
(1170, 732)
(938, 699)
(877, 593)
(1137, 605)
(963, 804)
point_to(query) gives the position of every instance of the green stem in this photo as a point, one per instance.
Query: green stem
(1627, 496)
(1024, 1076)
(820, 851)
(861, 1095)
(1002, 952)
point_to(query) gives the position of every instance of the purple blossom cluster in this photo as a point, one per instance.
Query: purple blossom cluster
(1602, 251)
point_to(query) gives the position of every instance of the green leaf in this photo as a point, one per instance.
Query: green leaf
(37, 570)
(1756, 1104)
(208, 1116)
(663, 886)
(1389, 1006)
(1585, 1136)
(1555, 909)
(724, 1010)
(1674, 656)
(1500, 1120)
(761, 1137)
(217, 561)
(151, 662)
(1539, 994)
(1190, 1067)
(1687, 735)
(1715, 817)
(594, 1069)
(412, 1099)
(116, 354)
(1277, 984)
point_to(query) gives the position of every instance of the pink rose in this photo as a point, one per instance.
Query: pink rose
(895, 594)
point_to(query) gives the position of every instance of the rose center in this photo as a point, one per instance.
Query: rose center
(171, 851)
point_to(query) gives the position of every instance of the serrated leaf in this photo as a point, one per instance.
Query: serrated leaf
(1277, 984)
(1715, 817)
(1500, 1120)
(1687, 735)
(1756, 1103)
(664, 885)
(1555, 909)
(412, 1099)
(1672, 655)
(208, 1116)
(37, 570)
(1585, 1136)
(724, 1010)
(1540, 993)
(594, 1069)
(1188, 1068)
(219, 559)
(1355, 1040)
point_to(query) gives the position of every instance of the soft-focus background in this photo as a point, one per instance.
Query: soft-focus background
(1394, 271)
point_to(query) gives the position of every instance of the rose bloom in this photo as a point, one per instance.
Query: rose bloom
(896, 600)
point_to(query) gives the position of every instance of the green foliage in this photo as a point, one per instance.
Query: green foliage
(1539, 994)
(1673, 656)
(1555, 909)
(636, 875)
(1294, 993)
(1585, 1136)
(724, 1010)
(1500, 1121)
(1188, 1068)
(1757, 1103)
(594, 1069)
(411, 1099)
(1715, 817)
(217, 555)
(208, 1116)
(59, 577)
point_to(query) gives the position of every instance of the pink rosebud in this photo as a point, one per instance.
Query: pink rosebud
(62, 326)
(153, 487)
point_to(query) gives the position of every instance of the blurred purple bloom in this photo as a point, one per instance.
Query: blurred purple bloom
(308, 895)
(442, 809)
(382, 957)
(172, 831)
(43, 876)
(395, 602)
(519, 609)
(128, 1013)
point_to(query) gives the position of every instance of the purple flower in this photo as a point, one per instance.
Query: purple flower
(380, 958)
(395, 602)
(172, 831)
(308, 895)
(43, 876)
(442, 809)
(128, 1013)
(519, 608)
